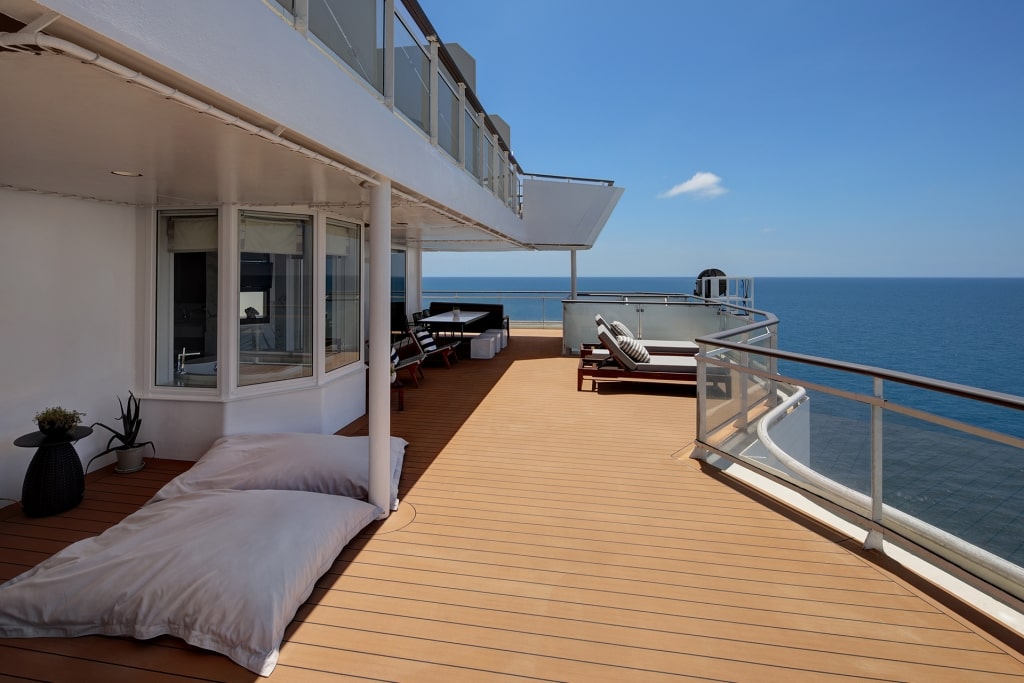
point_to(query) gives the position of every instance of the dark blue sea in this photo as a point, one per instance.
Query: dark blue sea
(962, 330)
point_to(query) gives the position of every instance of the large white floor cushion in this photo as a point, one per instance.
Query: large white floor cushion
(322, 463)
(223, 570)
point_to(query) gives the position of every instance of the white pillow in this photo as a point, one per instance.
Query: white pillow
(322, 463)
(633, 348)
(223, 570)
(426, 340)
(620, 329)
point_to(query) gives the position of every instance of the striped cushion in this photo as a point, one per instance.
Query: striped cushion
(394, 356)
(426, 341)
(620, 329)
(633, 349)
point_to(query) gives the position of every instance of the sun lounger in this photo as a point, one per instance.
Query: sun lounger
(663, 347)
(619, 365)
(406, 355)
(445, 351)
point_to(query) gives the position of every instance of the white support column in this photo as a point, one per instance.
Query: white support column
(572, 274)
(302, 16)
(875, 537)
(495, 162)
(435, 61)
(505, 172)
(389, 54)
(379, 404)
(461, 127)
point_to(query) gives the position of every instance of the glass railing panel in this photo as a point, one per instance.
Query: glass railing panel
(485, 160)
(725, 413)
(287, 5)
(840, 440)
(472, 143)
(966, 485)
(515, 190)
(447, 117)
(354, 31)
(412, 74)
(495, 169)
(950, 464)
(668, 318)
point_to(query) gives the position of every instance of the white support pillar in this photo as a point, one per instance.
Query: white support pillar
(572, 274)
(389, 54)
(461, 127)
(379, 404)
(435, 61)
(302, 16)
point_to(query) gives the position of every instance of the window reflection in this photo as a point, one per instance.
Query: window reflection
(342, 317)
(275, 331)
(186, 322)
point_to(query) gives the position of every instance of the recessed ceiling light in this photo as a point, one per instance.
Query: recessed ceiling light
(128, 174)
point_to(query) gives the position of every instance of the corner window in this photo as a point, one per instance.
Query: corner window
(342, 314)
(275, 297)
(186, 322)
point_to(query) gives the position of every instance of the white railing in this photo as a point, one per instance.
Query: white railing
(391, 47)
(853, 437)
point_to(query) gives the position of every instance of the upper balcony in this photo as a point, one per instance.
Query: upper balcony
(321, 99)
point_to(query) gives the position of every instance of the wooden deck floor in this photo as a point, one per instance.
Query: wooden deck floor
(550, 534)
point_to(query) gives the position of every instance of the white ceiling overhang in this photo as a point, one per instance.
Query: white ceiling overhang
(67, 125)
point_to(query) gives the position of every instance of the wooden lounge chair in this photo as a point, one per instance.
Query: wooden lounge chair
(406, 355)
(429, 347)
(660, 347)
(618, 365)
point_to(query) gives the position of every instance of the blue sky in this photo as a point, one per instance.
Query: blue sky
(803, 137)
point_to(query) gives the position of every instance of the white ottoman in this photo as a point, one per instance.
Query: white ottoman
(502, 336)
(482, 346)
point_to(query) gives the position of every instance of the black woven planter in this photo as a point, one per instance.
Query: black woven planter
(54, 481)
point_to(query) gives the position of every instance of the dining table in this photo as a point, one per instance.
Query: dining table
(452, 321)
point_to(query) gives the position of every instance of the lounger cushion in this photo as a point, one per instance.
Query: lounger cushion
(633, 349)
(222, 570)
(667, 347)
(426, 341)
(394, 356)
(678, 364)
(621, 357)
(322, 463)
(620, 329)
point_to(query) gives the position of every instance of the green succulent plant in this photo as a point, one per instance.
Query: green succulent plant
(131, 424)
(57, 419)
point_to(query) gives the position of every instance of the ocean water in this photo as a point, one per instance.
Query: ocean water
(962, 330)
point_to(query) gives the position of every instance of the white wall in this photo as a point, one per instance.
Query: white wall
(73, 333)
(184, 429)
(67, 296)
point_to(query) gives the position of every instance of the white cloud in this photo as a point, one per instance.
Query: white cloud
(702, 184)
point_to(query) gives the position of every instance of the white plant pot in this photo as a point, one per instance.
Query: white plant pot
(130, 459)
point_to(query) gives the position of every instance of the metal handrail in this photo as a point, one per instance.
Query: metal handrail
(997, 570)
(952, 388)
(907, 530)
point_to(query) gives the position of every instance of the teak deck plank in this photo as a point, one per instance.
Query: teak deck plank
(550, 534)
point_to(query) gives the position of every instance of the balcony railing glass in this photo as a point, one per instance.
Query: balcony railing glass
(921, 463)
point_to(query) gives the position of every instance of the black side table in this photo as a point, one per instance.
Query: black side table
(54, 481)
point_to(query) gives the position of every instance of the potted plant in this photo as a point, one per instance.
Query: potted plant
(57, 421)
(125, 442)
